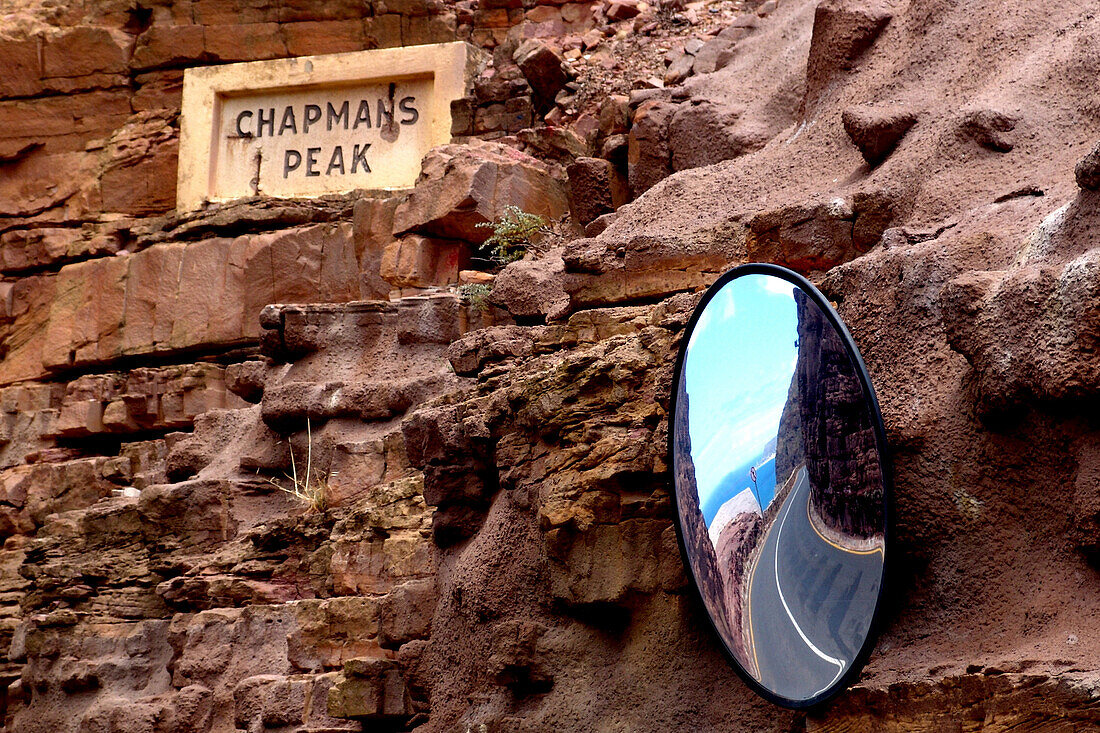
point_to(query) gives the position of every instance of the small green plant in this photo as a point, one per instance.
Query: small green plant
(311, 489)
(475, 294)
(512, 233)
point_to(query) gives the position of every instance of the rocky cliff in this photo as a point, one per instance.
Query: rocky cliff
(838, 439)
(497, 550)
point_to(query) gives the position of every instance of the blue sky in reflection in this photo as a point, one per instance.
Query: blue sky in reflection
(738, 370)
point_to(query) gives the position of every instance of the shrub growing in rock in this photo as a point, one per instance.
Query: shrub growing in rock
(512, 234)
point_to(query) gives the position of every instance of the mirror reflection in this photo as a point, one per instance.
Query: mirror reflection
(779, 485)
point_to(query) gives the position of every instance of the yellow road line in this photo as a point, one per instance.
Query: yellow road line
(850, 551)
(752, 578)
(748, 610)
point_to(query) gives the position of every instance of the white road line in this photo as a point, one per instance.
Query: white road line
(832, 660)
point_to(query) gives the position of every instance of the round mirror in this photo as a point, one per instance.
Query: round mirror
(781, 483)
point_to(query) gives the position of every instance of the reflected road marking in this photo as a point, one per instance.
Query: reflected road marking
(830, 542)
(779, 538)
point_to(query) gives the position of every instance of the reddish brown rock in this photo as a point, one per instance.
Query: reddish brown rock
(843, 30)
(21, 59)
(989, 128)
(595, 188)
(543, 68)
(715, 54)
(166, 45)
(324, 36)
(703, 134)
(85, 50)
(417, 262)
(995, 319)
(146, 186)
(130, 305)
(877, 131)
(371, 690)
(463, 186)
(1087, 171)
(621, 9)
(244, 42)
(818, 236)
(532, 287)
(649, 153)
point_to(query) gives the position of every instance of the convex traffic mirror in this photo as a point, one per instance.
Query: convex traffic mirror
(782, 483)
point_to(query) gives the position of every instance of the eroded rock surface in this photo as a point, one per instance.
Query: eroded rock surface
(495, 549)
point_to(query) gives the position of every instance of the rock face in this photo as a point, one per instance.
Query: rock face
(464, 186)
(838, 439)
(876, 132)
(495, 538)
(713, 578)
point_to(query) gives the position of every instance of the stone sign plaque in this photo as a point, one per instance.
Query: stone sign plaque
(315, 125)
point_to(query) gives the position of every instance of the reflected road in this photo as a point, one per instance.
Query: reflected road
(810, 602)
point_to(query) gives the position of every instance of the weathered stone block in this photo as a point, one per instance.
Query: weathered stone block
(463, 186)
(416, 261)
(85, 50)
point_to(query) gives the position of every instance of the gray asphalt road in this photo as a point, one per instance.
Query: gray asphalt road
(810, 602)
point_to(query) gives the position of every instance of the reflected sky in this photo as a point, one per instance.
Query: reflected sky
(738, 371)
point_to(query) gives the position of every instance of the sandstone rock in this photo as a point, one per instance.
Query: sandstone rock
(843, 30)
(703, 134)
(995, 320)
(621, 9)
(596, 227)
(128, 305)
(1086, 500)
(463, 186)
(544, 69)
(373, 223)
(407, 611)
(147, 399)
(431, 319)
(468, 354)
(595, 188)
(22, 250)
(614, 116)
(143, 187)
(164, 45)
(246, 380)
(324, 36)
(989, 128)
(679, 69)
(532, 288)
(416, 261)
(650, 158)
(819, 236)
(21, 59)
(715, 54)
(514, 661)
(85, 50)
(1087, 171)
(875, 131)
(371, 690)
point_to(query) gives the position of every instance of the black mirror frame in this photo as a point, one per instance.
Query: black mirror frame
(885, 466)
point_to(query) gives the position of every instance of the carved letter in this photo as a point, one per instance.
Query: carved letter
(241, 133)
(288, 123)
(337, 159)
(360, 156)
(291, 161)
(407, 107)
(311, 161)
(334, 116)
(363, 115)
(268, 122)
(313, 113)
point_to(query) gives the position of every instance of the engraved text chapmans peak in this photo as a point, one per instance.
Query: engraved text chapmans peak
(315, 125)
